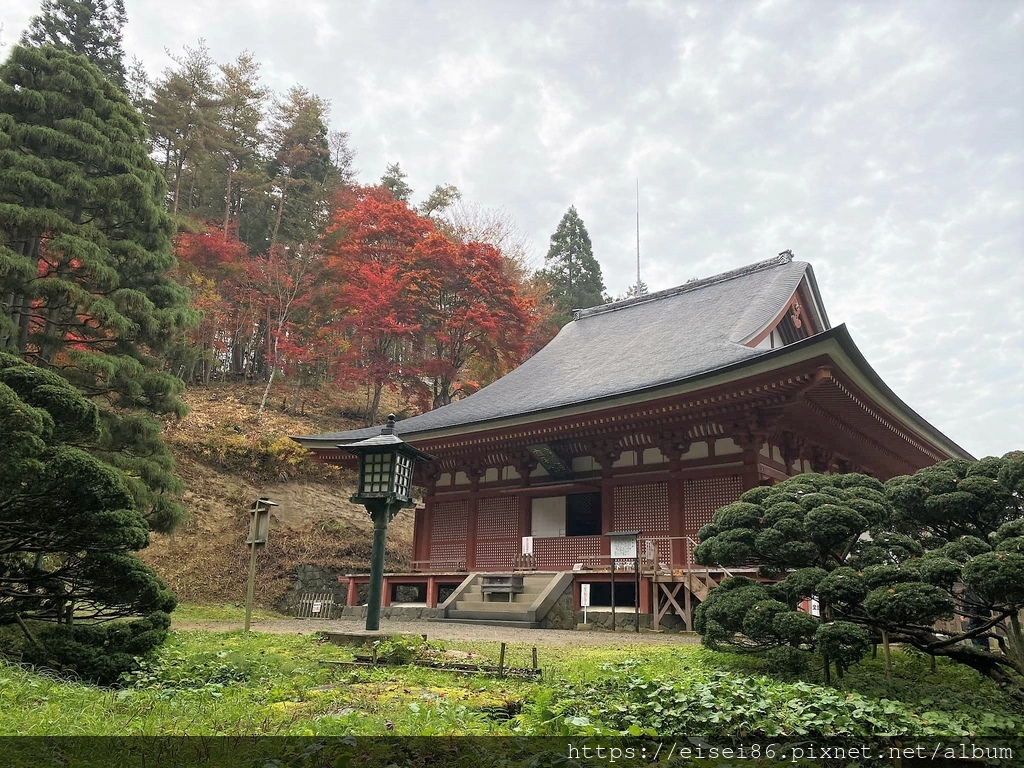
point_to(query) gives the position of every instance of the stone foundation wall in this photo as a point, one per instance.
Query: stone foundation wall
(671, 623)
(625, 621)
(397, 612)
(312, 578)
(602, 620)
(561, 615)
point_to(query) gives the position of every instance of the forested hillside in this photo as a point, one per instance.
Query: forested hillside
(226, 465)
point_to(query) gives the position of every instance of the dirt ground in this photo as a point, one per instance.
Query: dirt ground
(468, 632)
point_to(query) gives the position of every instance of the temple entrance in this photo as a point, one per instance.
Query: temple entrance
(583, 514)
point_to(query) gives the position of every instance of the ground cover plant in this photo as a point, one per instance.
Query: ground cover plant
(238, 684)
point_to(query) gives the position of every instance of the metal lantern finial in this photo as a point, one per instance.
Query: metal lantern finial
(389, 428)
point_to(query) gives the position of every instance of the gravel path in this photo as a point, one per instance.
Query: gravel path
(471, 632)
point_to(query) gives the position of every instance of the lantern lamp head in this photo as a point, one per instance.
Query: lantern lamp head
(386, 464)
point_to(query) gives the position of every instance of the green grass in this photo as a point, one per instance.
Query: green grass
(237, 684)
(197, 614)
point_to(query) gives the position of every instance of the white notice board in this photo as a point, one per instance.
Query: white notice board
(623, 546)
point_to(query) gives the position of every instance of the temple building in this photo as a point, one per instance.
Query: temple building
(643, 416)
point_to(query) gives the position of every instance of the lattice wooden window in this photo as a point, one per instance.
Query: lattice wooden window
(449, 521)
(641, 508)
(561, 553)
(498, 518)
(702, 497)
(497, 532)
(497, 554)
(448, 534)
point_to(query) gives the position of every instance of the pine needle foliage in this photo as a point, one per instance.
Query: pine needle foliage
(68, 532)
(570, 269)
(92, 28)
(85, 249)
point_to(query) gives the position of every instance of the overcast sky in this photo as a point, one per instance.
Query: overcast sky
(883, 142)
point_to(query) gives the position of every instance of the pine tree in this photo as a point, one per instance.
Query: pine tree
(241, 101)
(301, 168)
(571, 270)
(183, 118)
(91, 28)
(393, 181)
(440, 200)
(68, 531)
(85, 248)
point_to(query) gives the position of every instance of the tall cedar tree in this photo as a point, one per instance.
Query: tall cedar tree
(92, 28)
(68, 532)
(571, 269)
(84, 255)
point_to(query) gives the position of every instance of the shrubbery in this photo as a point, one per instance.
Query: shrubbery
(100, 653)
(267, 457)
(888, 560)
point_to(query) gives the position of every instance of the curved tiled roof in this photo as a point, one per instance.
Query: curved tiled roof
(627, 346)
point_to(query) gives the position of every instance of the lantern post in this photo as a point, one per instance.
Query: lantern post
(259, 527)
(386, 464)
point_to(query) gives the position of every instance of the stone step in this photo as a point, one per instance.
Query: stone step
(476, 605)
(516, 616)
(522, 597)
(492, 623)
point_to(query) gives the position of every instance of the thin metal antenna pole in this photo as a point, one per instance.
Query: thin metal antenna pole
(637, 235)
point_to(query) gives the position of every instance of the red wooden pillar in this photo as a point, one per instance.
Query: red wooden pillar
(525, 526)
(431, 592)
(525, 463)
(607, 510)
(606, 452)
(423, 531)
(471, 533)
(474, 473)
(352, 596)
(421, 537)
(673, 449)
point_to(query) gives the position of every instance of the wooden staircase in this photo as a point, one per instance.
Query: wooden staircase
(681, 592)
(472, 604)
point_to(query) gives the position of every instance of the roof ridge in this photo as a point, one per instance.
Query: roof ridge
(776, 261)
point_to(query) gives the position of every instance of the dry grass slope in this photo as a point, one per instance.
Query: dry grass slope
(227, 460)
